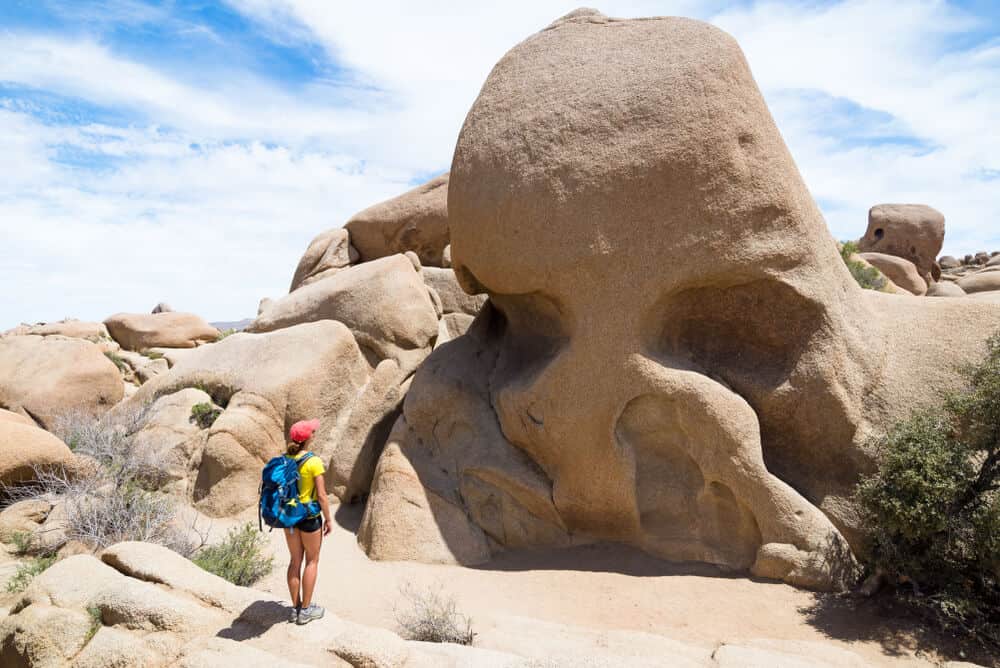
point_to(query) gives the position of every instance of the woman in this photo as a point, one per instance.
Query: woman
(306, 537)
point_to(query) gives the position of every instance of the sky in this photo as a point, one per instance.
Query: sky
(188, 151)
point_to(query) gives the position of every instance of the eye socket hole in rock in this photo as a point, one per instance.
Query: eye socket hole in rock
(751, 335)
(532, 329)
(879, 233)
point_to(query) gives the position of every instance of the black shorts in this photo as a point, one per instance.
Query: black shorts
(310, 524)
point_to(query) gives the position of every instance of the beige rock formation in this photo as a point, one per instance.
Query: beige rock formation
(265, 383)
(900, 271)
(384, 303)
(673, 354)
(42, 377)
(911, 231)
(169, 329)
(25, 447)
(453, 298)
(945, 289)
(327, 254)
(415, 221)
(76, 329)
(171, 439)
(949, 262)
(981, 281)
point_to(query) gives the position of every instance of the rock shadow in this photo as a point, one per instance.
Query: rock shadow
(348, 515)
(600, 558)
(256, 620)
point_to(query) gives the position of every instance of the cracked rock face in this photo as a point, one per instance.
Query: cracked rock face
(674, 356)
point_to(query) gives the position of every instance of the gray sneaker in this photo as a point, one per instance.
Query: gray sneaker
(293, 618)
(309, 614)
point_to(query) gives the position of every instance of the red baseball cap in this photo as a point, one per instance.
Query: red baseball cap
(302, 430)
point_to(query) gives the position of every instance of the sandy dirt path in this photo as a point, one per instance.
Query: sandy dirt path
(600, 587)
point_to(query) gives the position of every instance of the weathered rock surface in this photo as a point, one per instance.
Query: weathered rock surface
(327, 254)
(42, 377)
(173, 440)
(949, 262)
(169, 329)
(673, 354)
(911, 231)
(415, 221)
(266, 383)
(453, 298)
(24, 447)
(945, 289)
(76, 329)
(384, 303)
(900, 271)
(982, 281)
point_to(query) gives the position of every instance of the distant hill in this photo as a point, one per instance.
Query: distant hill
(238, 325)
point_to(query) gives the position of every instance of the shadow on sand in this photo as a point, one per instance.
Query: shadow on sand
(883, 620)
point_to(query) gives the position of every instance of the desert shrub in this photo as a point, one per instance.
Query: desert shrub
(205, 414)
(24, 542)
(430, 615)
(116, 500)
(224, 333)
(27, 571)
(118, 361)
(152, 354)
(931, 508)
(866, 275)
(238, 558)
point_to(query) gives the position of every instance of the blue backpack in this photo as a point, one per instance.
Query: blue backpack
(279, 494)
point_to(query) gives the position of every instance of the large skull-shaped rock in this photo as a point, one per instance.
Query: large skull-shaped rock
(674, 355)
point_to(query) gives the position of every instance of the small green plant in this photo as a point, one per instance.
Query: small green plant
(866, 275)
(430, 615)
(27, 571)
(238, 558)
(205, 414)
(118, 361)
(224, 333)
(152, 354)
(23, 542)
(96, 621)
(931, 508)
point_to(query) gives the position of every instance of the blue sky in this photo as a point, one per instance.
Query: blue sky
(188, 151)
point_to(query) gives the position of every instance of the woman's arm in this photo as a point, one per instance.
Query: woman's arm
(324, 504)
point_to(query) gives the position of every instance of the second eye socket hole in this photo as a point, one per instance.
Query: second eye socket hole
(535, 328)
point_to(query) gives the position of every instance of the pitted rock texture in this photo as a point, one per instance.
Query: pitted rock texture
(673, 354)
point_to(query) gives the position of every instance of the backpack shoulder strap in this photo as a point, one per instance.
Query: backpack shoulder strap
(306, 457)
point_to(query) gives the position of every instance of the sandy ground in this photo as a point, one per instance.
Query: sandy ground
(603, 588)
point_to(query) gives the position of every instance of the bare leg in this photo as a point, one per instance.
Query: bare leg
(296, 551)
(311, 542)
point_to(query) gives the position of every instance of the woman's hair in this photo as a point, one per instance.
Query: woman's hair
(294, 448)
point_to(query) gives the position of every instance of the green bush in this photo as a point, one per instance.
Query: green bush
(118, 361)
(27, 571)
(866, 275)
(23, 541)
(152, 354)
(205, 414)
(931, 509)
(238, 558)
(224, 333)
